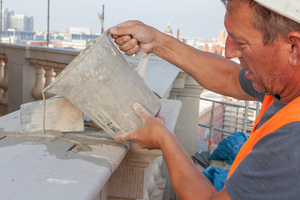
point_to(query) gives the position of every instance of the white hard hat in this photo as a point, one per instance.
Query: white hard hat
(287, 8)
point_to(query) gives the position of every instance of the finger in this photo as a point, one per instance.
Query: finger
(132, 51)
(141, 111)
(121, 40)
(125, 137)
(129, 45)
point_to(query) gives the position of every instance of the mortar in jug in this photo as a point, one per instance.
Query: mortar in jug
(102, 84)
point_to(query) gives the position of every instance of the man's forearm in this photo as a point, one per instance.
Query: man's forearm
(180, 167)
(212, 71)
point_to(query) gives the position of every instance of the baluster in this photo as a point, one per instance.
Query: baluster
(4, 82)
(49, 78)
(53, 66)
(57, 71)
(59, 68)
(38, 87)
(48, 75)
(1, 77)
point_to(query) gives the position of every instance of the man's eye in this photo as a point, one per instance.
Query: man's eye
(242, 44)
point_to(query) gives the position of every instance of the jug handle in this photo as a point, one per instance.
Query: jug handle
(141, 69)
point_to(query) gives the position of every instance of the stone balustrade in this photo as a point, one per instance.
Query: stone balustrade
(26, 70)
(3, 83)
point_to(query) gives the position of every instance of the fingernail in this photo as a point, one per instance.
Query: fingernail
(136, 106)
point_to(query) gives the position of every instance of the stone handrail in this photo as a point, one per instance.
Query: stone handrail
(86, 165)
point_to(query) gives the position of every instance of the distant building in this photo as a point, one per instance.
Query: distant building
(80, 30)
(29, 24)
(18, 22)
(21, 22)
(6, 18)
(168, 30)
(214, 45)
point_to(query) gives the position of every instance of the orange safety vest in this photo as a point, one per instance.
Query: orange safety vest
(288, 114)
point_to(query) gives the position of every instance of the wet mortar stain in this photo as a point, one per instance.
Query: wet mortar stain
(64, 146)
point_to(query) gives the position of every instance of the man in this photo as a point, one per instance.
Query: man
(267, 45)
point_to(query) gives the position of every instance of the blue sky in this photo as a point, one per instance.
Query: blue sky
(197, 18)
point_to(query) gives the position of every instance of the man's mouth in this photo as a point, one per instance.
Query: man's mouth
(248, 74)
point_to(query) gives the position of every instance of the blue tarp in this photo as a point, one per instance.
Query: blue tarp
(216, 176)
(229, 147)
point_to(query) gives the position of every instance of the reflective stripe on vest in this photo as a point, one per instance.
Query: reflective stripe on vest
(288, 114)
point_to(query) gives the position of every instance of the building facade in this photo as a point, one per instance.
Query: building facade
(17, 22)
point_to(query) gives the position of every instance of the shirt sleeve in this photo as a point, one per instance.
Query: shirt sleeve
(247, 86)
(271, 170)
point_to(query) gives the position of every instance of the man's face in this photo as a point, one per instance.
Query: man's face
(265, 64)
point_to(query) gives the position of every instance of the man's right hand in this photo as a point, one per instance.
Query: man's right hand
(151, 134)
(132, 35)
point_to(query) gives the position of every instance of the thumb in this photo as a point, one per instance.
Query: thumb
(119, 31)
(125, 137)
(141, 111)
(125, 28)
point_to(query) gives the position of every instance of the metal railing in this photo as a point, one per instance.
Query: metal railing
(225, 132)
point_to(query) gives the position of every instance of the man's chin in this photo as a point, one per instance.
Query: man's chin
(261, 89)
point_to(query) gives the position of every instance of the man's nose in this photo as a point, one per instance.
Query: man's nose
(232, 48)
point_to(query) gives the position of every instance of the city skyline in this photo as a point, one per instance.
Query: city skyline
(193, 18)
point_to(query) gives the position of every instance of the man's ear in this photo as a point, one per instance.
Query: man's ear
(294, 39)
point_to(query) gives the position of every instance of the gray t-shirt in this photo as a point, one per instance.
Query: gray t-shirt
(272, 170)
